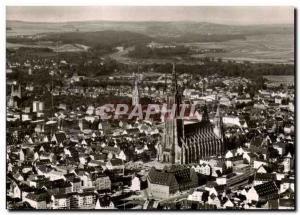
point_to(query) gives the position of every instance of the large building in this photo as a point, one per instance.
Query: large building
(185, 143)
(164, 183)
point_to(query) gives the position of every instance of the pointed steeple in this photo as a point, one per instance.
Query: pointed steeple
(218, 123)
(136, 85)
(174, 79)
(176, 91)
(19, 91)
(135, 93)
(12, 90)
(166, 83)
(218, 115)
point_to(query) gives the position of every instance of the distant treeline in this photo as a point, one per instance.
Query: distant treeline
(192, 37)
(228, 68)
(22, 40)
(34, 49)
(96, 39)
(142, 51)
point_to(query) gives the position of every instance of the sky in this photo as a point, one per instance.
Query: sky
(223, 15)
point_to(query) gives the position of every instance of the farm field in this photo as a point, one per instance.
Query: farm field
(280, 78)
(274, 48)
(270, 48)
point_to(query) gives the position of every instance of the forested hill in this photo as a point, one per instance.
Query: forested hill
(110, 38)
(92, 39)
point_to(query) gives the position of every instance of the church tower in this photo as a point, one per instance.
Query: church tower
(218, 124)
(188, 143)
(169, 150)
(19, 91)
(135, 93)
(13, 102)
(15, 92)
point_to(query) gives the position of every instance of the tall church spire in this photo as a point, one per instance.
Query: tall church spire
(176, 91)
(174, 78)
(12, 93)
(218, 112)
(19, 91)
(135, 93)
(218, 123)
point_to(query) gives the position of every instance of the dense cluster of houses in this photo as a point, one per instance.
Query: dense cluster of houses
(75, 160)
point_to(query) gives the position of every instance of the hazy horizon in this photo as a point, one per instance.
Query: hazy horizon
(266, 15)
(145, 21)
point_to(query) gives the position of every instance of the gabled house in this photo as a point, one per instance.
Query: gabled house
(105, 203)
(263, 192)
(59, 137)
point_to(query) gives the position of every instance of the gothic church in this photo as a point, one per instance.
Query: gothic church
(188, 143)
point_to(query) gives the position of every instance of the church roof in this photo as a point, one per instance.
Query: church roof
(200, 127)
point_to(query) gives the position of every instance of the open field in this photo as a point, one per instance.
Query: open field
(275, 48)
(270, 48)
(280, 78)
